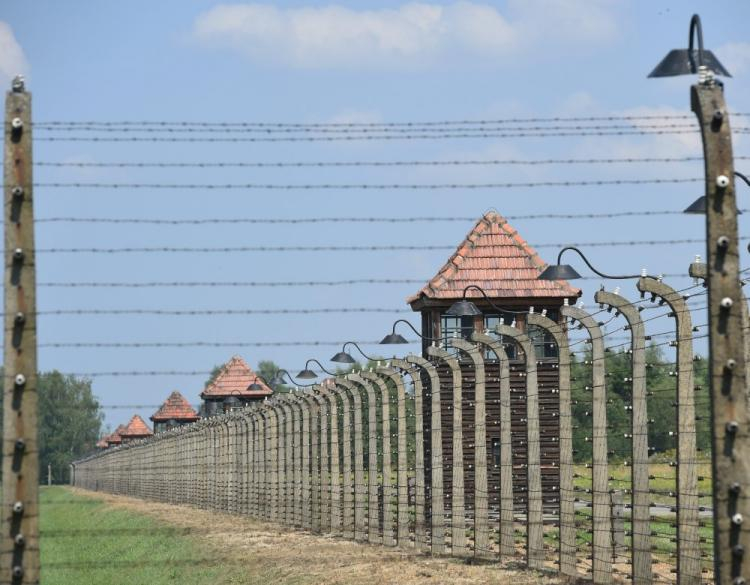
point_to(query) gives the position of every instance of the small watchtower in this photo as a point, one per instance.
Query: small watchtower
(230, 389)
(135, 429)
(497, 260)
(175, 412)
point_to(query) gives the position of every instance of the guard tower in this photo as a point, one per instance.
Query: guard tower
(495, 258)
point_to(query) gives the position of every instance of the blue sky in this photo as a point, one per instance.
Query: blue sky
(350, 62)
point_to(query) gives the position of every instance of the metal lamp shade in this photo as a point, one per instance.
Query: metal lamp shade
(463, 308)
(307, 374)
(697, 206)
(278, 379)
(559, 272)
(393, 338)
(255, 387)
(685, 62)
(232, 401)
(343, 358)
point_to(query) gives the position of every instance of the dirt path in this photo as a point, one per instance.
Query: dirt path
(282, 556)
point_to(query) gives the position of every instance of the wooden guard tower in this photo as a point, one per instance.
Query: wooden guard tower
(176, 411)
(231, 388)
(494, 257)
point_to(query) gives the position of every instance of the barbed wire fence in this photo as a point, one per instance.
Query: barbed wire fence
(417, 452)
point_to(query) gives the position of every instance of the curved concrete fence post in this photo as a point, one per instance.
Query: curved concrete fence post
(295, 475)
(402, 469)
(324, 487)
(385, 459)
(373, 516)
(279, 459)
(640, 505)
(234, 443)
(289, 448)
(272, 453)
(601, 520)
(227, 457)
(437, 508)
(244, 480)
(347, 486)
(458, 508)
(360, 494)
(481, 504)
(534, 518)
(309, 446)
(420, 526)
(260, 466)
(333, 395)
(567, 540)
(320, 459)
(688, 543)
(305, 442)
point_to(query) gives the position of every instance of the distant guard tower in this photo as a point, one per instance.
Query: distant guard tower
(176, 411)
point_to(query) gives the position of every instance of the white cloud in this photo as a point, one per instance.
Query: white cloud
(12, 59)
(413, 34)
(735, 57)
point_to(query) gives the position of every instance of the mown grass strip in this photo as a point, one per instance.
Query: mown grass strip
(84, 541)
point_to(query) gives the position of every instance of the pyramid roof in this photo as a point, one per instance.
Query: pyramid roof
(234, 379)
(136, 428)
(496, 258)
(116, 437)
(175, 407)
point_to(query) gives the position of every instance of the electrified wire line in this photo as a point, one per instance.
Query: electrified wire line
(361, 248)
(368, 186)
(314, 220)
(373, 163)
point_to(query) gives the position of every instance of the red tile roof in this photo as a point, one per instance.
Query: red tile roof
(116, 437)
(234, 379)
(102, 443)
(496, 258)
(175, 407)
(136, 429)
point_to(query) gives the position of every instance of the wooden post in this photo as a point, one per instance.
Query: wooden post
(567, 542)
(507, 538)
(437, 507)
(688, 545)
(602, 540)
(731, 442)
(49, 475)
(20, 523)
(481, 520)
(534, 518)
(420, 527)
(458, 521)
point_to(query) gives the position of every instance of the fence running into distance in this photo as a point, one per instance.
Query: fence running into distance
(361, 456)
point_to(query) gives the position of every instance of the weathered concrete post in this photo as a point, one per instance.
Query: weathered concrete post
(602, 524)
(507, 538)
(437, 508)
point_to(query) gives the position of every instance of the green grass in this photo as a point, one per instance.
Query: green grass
(664, 480)
(83, 541)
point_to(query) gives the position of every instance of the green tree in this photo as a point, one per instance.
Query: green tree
(661, 386)
(70, 422)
